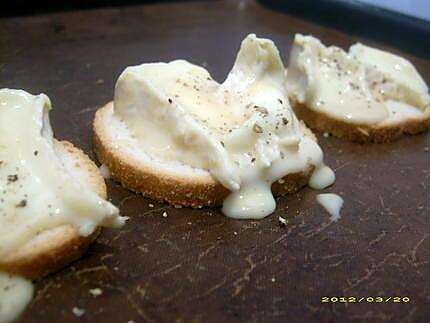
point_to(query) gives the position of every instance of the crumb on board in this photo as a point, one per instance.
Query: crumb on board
(282, 221)
(78, 311)
(165, 214)
(96, 292)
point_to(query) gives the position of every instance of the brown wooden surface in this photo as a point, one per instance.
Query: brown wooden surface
(196, 265)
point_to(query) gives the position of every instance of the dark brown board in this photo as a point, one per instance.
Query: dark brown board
(197, 265)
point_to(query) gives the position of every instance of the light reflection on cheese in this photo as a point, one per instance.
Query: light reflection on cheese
(243, 131)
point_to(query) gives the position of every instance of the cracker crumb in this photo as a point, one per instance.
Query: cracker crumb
(96, 292)
(151, 205)
(78, 311)
(165, 214)
(282, 221)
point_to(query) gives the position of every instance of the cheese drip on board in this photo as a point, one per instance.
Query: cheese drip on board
(15, 294)
(242, 131)
(364, 86)
(332, 203)
(37, 191)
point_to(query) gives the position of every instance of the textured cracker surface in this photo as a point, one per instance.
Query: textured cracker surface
(360, 133)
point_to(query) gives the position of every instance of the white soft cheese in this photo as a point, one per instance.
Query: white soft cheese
(392, 76)
(359, 86)
(37, 192)
(243, 131)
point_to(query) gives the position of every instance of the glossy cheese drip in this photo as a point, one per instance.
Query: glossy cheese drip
(15, 294)
(37, 192)
(243, 131)
(332, 203)
(354, 86)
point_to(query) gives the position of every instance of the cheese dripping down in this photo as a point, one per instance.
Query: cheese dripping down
(242, 131)
(15, 294)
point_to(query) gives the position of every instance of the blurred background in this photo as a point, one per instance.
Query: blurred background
(414, 8)
(400, 23)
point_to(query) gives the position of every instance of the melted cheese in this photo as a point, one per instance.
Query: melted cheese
(37, 190)
(332, 203)
(15, 294)
(243, 131)
(356, 86)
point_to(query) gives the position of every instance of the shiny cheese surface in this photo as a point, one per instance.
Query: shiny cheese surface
(243, 131)
(37, 191)
(357, 86)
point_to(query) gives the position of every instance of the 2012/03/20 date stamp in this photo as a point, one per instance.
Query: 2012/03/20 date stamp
(365, 299)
